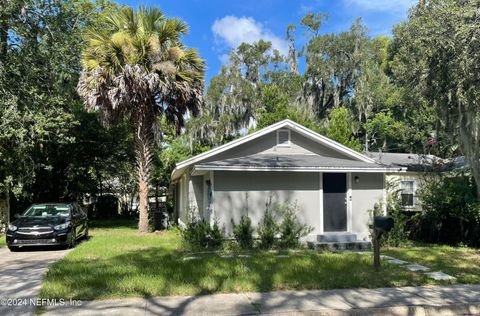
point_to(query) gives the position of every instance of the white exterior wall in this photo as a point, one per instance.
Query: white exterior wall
(196, 194)
(183, 202)
(393, 185)
(247, 193)
(365, 193)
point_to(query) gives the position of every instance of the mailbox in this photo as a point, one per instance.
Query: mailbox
(383, 224)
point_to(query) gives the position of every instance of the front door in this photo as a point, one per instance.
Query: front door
(334, 202)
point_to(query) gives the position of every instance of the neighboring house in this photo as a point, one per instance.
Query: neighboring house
(418, 168)
(406, 183)
(335, 187)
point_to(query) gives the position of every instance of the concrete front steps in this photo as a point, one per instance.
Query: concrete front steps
(339, 242)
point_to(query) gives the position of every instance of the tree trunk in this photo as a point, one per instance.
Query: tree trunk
(470, 140)
(143, 162)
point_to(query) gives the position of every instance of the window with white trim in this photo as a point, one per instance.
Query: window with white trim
(283, 137)
(407, 191)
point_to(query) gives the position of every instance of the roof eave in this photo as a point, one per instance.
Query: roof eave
(200, 169)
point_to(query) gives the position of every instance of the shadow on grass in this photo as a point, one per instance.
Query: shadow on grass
(159, 271)
(123, 222)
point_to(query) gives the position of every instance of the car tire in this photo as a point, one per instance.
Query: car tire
(85, 235)
(13, 249)
(73, 243)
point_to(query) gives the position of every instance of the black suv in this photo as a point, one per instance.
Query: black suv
(50, 224)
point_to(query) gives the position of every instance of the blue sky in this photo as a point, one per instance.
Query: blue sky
(217, 26)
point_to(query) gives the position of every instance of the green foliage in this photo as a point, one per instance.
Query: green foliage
(384, 128)
(432, 56)
(268, 229)
(276, 107)
(287, 234)
(313, 21)
(291, 230)
(400, 232)
(49, 148)
(215, 236)
(198, 234)
(451, 212)
(146, 73)
(243, 232)
(339, 128)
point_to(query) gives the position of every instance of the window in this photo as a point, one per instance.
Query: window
(283, 137)
(408, 193)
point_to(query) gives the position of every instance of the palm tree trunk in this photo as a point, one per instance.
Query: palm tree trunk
(143, 162)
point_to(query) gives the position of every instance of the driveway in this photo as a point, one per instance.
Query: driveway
(21, 275)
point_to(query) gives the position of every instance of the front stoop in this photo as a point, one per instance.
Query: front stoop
(338, 242)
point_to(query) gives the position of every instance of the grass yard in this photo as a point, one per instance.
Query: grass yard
(116, 262)
(3, 242)
(461, 262)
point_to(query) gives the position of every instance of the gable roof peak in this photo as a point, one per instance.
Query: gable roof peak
(304, 131)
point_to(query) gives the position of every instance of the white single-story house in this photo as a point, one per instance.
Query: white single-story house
(407, 183)
(418, 168)
(334, 186)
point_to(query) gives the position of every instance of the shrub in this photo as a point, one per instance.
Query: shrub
(267, 230)
(291, 230)
(451, 212)
(197, 233)
(243, 232)
(400, 232)
(215, 236)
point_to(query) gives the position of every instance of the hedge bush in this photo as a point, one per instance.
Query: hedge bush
(198, 233)
(451, 211)
(243, 232)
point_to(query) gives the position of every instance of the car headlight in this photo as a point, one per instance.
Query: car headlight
(12, 227)
(62, 226)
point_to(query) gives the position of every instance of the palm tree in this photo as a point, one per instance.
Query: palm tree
(136, 68)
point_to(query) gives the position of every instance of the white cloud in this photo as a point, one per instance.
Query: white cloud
(383, 5)
(224, 58)
(232, 31)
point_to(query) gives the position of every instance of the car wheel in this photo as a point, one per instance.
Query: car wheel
(73, 243)
(85, 236)
(12, 249)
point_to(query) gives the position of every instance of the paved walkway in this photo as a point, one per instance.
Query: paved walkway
(434, 300)
(414, 267)
(21, 275)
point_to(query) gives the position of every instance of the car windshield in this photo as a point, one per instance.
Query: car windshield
(47, 210)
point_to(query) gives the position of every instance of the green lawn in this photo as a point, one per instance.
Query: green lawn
(463, 263)
(3, 242)
(117, 262)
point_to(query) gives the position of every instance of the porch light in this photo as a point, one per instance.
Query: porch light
(357, 179)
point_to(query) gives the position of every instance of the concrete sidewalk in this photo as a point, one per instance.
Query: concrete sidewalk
(21, 275)
(425, 300)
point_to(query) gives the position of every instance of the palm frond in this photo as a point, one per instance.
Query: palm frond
(138, 67)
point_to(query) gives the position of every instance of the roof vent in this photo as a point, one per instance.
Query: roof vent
(283, 137)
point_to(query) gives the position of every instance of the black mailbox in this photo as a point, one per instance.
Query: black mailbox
(383, 224)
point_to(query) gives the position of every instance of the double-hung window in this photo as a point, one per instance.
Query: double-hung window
(407, 188)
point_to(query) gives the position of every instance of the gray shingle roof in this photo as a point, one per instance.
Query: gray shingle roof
(418, 162)
(401, 159)
(290, 161)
